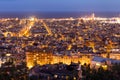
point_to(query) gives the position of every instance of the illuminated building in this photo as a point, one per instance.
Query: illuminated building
(48, 58)
(112, 56)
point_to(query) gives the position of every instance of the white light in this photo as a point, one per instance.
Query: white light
(32, 18)
(8, 54)
(55, 76)
(98, 64)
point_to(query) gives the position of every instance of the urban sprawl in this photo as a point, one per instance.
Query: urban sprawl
(51, 48)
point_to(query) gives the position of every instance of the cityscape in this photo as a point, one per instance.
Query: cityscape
(58, 48)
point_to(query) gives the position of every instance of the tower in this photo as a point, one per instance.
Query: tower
(93, 16)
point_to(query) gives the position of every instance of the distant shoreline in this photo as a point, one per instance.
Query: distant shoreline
(57, 14)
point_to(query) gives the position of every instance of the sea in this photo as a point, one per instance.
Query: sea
(57, 14)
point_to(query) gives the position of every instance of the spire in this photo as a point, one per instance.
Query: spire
(93, 16)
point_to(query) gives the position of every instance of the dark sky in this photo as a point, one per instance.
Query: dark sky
(59, 5)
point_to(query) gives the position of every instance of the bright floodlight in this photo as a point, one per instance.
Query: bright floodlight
(32, 18)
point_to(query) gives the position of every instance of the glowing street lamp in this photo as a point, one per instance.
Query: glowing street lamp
(8, 54)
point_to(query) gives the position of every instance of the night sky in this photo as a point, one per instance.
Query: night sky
(59, 5)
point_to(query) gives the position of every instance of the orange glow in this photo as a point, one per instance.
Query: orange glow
(105, 67)
(44, 58)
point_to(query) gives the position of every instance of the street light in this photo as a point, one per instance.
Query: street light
(8, 55)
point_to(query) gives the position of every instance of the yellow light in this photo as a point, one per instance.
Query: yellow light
(104, 67)
(30, 66)
(53, 59)
(74, 78)
(98, 64)
(69, 47)
(8, 54)
(32, 18)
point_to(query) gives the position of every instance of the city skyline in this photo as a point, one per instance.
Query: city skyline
(59, 6)
(59, 39)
